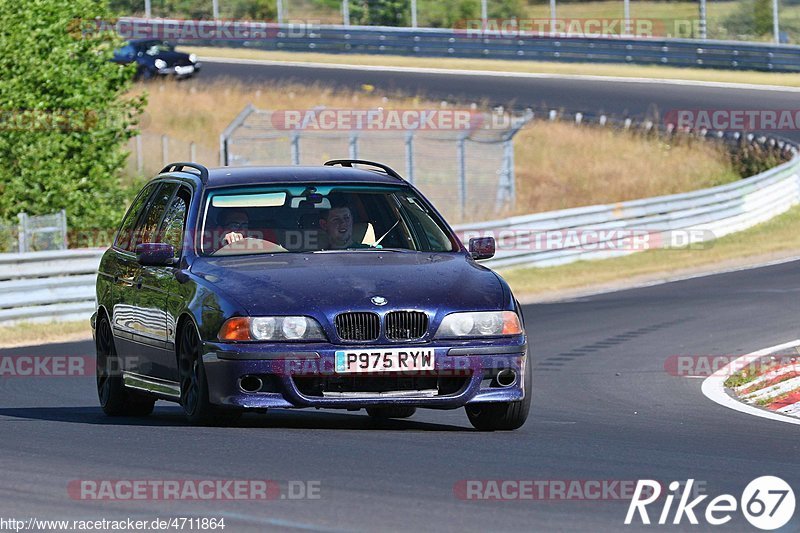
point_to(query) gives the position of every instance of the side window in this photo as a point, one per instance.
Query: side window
(175, 220)
(125, 234)
(147, 230)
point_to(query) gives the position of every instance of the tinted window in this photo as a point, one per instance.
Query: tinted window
(125, 233)
(318, 217)
(147, 230)
(175, 220)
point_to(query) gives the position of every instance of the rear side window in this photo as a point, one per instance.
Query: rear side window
(147, 230)
(175, 220)
(125, 238)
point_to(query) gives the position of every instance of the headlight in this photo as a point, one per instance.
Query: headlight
(271, 328)
(193, 58)
(160, 63)
(480, 324)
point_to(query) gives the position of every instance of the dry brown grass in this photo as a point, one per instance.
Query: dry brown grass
(558, 165)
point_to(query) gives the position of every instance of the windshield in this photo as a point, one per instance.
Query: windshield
(319, 218)
(155, 48)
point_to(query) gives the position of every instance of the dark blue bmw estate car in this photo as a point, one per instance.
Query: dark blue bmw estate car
(337, 286)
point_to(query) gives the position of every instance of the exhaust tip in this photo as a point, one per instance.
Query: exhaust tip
(506, 378)
(250, 383)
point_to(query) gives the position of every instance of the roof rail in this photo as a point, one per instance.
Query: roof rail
(178, 167)
(350, 162)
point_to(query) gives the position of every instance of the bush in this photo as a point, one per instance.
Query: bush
(753, 18)
(65, 116)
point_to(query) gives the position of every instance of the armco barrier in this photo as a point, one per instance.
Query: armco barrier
(434, 42)
(44, 286)
(60, 285)
(711, 213)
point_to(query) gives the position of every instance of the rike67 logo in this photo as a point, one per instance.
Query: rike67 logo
(767, 503)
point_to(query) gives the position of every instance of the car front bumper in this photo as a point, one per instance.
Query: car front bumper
(464, 372)
(180, 71)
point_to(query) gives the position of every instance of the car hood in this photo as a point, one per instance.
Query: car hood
(172, 58)
(323, 283)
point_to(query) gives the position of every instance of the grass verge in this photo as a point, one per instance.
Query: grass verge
(557, 165)
(500, 65)
(29, 334)
(764, 241)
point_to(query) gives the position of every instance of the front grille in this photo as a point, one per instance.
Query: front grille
(358, 326)
(371, 383)
(406, 325)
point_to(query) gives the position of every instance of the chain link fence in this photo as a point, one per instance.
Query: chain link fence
(34, 233)
(745, 20)
(150, 152)
(466, 169)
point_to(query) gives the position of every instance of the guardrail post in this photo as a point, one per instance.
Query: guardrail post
(164, 150)
(506, 188)
(295, 148)
(279, 8)
(410, 156)
(775, 24)
(353, 145)
(462, 174)
(139, 155)
(23, 232)
(215, 9)
(703, 25)
(192, 152)
(346, 12)
(62, 221)
(147, 10)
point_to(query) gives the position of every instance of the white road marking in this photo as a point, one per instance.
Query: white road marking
(714, 386)
(504, 74)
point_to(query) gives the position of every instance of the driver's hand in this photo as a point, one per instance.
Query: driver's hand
(232, 237)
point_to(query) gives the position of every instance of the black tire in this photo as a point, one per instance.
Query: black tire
(115, 399)
(503, 416)
(194, 386)
(391, 411)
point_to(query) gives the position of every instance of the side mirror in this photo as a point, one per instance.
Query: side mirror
(481, 248)
(155, 254)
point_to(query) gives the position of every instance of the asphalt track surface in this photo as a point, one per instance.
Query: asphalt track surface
(604, 409)
(637, 100)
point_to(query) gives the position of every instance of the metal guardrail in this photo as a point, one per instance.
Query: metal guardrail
(708, 213)
(60, 285)
(45, 286)
(433, 42)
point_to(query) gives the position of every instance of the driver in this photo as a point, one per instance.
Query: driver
(235, 223)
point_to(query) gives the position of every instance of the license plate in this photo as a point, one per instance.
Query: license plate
(394, 360)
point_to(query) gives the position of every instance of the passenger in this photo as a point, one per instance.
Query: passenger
(337, 224)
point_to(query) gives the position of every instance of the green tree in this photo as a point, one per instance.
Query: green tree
(65, 115)
(381, 12)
